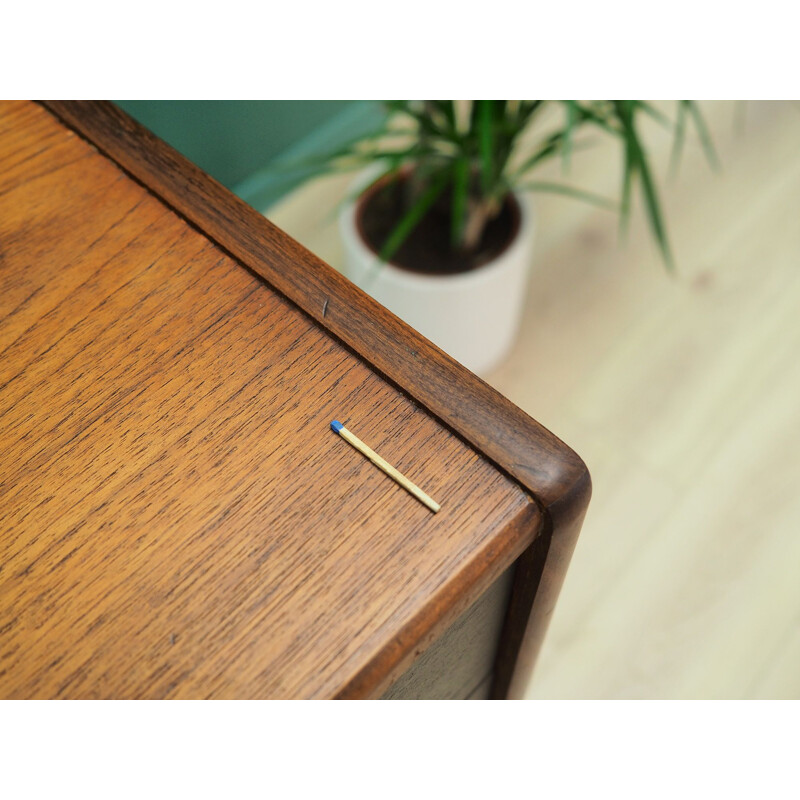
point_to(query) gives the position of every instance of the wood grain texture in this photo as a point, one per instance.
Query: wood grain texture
(555, 475)
(176, 517)
(681, 394)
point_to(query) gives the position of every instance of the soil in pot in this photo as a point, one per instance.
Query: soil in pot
(428, 248)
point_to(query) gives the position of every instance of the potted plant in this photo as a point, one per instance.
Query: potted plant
(440, 228)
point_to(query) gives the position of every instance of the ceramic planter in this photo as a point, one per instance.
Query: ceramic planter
(473, 316)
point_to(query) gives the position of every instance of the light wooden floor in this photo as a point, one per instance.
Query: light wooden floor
(683, 397)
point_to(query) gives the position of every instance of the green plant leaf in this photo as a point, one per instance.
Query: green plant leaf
(653, 209)
(653, 112)
(486, 142)
(705, 136)
(550, 147)
(447, 110)
(570, 191)
(629, 169)
(479, 157)
(679, 137)
(636, 158)
(569, 130)
(692, 109)
(597, 115)
(424, 120)
(414, 216)
(458, 219)
(628, 175)
(528, 108)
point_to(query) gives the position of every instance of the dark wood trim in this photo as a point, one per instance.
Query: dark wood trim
(539, 574)
(518, 445)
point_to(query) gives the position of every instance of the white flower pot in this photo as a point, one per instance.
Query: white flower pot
(473, 316)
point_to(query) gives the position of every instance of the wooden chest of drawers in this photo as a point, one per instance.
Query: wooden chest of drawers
(176, 517)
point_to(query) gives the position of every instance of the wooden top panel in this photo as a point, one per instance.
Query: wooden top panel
(176, 517)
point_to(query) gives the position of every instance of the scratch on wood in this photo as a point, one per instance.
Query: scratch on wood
(325, 307)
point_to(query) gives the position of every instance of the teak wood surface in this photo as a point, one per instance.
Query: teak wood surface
(176, 517)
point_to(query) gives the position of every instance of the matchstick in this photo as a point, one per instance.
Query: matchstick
(385, 466)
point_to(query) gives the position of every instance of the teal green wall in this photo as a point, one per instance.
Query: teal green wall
(231, 139)
(238, 141)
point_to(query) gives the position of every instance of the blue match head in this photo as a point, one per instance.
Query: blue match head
(336, 425)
